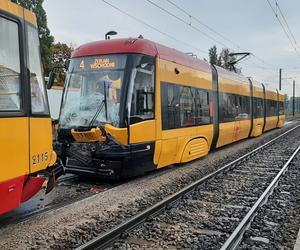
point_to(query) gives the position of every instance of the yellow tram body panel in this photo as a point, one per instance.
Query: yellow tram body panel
(14, 162)
(271, 95)
(41, 152)
(239, 128)
(143, 131)
(175, 148)
(186, 143)
(271, 123)
(258, 91)
(186, 77)
(119, 133)
(258, 122)
(36, 148)
(258, 125)
(233, 86)
(282, 117)
(281, 121)
(233, 131)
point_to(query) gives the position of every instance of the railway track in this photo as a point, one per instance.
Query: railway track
(213, 212)
(277, 221)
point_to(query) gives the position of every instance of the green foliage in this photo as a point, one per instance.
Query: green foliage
(223, 59)
(213, 55)
(226, 59)
(61, 52)
(46, 40)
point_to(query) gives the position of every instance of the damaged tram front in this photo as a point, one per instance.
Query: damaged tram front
(108, 88)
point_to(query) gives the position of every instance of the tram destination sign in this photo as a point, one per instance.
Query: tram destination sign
(92, 63)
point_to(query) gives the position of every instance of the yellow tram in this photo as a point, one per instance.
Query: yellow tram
(132, 105)
(25, 125)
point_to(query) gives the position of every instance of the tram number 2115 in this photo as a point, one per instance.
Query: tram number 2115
(39, 158)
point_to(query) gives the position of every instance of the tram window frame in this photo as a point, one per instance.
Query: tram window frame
(179, 114)
(233, 107)
(137, 113)
(271, 108)
(281, 107)
(42, 87)
(21, 111)
(202, 96)
(258, 113)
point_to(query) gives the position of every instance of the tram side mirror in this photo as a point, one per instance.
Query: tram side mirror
(66, 64)
(52, 77)
(147, 65)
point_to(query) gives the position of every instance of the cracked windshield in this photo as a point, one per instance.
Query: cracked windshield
(92, 94)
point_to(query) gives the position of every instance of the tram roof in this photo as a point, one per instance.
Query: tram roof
(147, 47)
(17, 10)
(140, 46)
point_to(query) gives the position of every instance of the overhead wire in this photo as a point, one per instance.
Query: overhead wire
(154, 28)
(287, 25)
(284, 29)
(212, 30)
(185, 22)
(203, 24)
(174, 38)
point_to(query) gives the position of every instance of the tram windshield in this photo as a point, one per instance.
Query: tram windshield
(92, 91)
(95, 88)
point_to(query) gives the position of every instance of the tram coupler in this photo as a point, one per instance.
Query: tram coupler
(53, 174)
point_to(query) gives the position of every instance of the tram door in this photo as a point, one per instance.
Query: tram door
(14, 125)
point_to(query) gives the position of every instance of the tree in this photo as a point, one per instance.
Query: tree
(213, 55)
(226, 59)
(223, 60)
(46, 40)
(61, 52)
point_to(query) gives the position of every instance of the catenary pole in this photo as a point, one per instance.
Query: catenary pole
(293, 97)
(280, 72)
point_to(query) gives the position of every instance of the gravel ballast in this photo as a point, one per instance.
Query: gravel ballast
(204, 218)
(71, 226)
(277, 223)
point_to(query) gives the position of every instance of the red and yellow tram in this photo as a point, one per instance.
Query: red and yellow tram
(25, 124)
(132, 105)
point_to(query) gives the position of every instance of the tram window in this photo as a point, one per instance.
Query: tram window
(170, 101)
(38, 93)
(271, 108)
(187, 107)
(142, 93)
(183, 106)
(281, 108)
(227, 107)
(202, 107)
(258, 107)
(10, 99)
(245, 107)
(276, 108)
(233, 107)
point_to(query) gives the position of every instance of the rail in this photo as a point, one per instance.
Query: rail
(238, 233)
(107, 238)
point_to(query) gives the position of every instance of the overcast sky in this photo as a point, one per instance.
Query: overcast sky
(251, 25)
